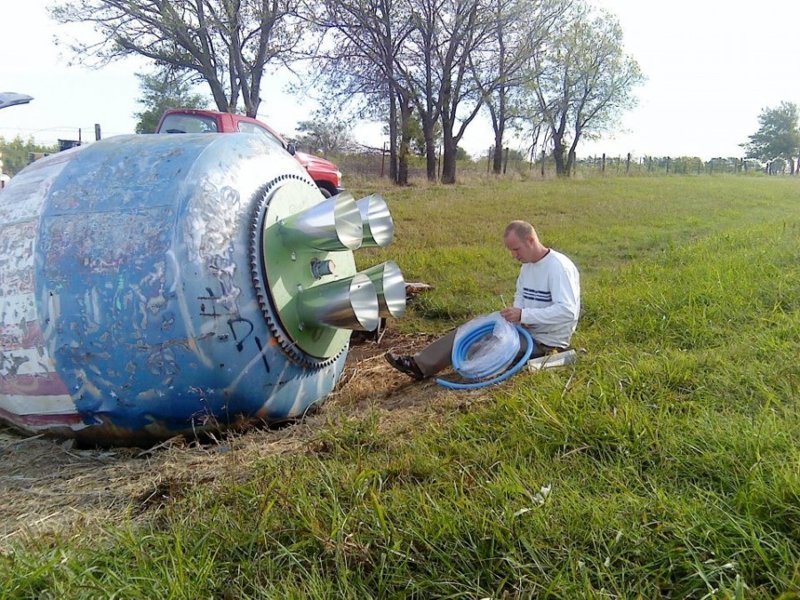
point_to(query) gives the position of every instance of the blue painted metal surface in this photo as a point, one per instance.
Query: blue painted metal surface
(128, 307)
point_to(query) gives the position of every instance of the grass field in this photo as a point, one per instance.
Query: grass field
(663, 464)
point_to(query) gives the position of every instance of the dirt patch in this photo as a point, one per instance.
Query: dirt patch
(49, 486)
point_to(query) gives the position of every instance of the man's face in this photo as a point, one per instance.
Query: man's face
(522, 250)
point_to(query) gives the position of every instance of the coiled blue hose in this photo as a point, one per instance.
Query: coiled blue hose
(461, 351)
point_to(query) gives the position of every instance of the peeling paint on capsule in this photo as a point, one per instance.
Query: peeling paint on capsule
(128, 308)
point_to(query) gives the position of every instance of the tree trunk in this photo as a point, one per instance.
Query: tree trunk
(430, 146)
(497, 155)
(571, 163)
(448, 142)
(220, 99)
(405, 141)
(500, 129)
(498, 125)
(392, 134)
(402, 162)
(558, 157)
(449, 154)
(571, 154)
(428, 123)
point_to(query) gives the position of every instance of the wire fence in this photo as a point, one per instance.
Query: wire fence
(664, 165)
(376, 164)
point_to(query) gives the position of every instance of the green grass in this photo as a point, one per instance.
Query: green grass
(670, 449)
(451, 237)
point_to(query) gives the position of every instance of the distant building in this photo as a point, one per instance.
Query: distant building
(67, 144)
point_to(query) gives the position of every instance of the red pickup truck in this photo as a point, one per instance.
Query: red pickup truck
(190, 120)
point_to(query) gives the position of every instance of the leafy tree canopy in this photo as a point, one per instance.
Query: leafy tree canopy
(17, 153)
(417, 135)
(161, 91)
(778, 136)
(584, 80)
(325, 134)
(226, 43)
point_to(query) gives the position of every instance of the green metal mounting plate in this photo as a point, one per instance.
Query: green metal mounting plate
(288, 271)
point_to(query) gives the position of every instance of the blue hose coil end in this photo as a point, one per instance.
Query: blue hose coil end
(461, 350)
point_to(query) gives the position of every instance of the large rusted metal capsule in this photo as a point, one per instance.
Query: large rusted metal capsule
(155, 285)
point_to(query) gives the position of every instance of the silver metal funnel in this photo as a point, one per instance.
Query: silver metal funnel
(378, 224)
(350, 303)
(390, 287)
(333, 224)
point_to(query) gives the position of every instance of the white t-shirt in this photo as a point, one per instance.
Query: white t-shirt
(549, 294)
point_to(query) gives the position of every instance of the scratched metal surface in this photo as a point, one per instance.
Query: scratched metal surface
(128, 310)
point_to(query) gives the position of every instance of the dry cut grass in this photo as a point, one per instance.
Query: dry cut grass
(51, 487)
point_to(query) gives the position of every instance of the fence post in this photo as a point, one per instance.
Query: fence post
(628, 164)
(604, 162)
(542, 164)
(505, 161)
(97, 131)
(668, 159)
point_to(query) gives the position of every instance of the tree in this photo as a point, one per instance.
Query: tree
(226, 43)
(446, 33)
(778, 137)
(519, 28)
(160, 91)
(16, 153)
(418, 135)
(583, 80)
(361, 60)
(325, 133)
(417, 66)
(776, 166)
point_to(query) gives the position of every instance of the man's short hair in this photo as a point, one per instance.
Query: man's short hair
(522, 229)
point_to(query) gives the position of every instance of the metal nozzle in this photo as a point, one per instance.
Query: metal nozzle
(350, 303)
(378, 224)
(333, 224)
(390, 287)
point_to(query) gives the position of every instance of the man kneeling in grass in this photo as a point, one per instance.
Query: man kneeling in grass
(547, 303)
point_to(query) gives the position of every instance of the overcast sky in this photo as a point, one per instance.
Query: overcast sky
(711, 66)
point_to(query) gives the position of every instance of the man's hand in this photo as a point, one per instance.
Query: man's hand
(511, 314)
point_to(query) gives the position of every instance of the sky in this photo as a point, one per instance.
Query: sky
(711, 67)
